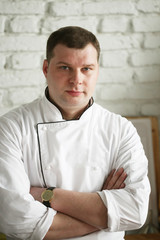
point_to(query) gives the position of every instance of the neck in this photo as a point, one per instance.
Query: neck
(73, 115)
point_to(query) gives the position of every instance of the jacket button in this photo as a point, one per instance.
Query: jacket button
(48, 167)
(44, 128)
(94, 168)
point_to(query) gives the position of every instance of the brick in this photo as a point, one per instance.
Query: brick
(22, 7)
(51, 24)
(2, 94)
(148, 6)
(114, 59)
(2, 61)
(144, 91)
(146, 24)
(152, 40)
(133, 92)
(26, 61)
(109, 7)
(114, 24)
(127, 109)
(115, 76)
(145, 58)
(122, 108)
(5, 104)
(69, 8)
(119, 41)
(12, 78)
(151, 109)
(2, 23)
(147, 74)
(22, 43)
(24, 24)
(19, 96)
(112, 92)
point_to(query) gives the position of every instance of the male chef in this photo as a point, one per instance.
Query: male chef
(64, 158)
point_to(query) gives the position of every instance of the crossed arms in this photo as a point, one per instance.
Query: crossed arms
(79, 213)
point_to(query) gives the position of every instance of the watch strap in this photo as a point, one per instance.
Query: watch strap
(50, 188)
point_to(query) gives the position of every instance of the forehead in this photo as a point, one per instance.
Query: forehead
(63, 52)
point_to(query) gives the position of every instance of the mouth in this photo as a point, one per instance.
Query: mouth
(74, 93)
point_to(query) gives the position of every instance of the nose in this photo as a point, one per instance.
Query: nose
(76, 77)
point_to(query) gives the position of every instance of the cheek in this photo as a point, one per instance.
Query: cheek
(91, 87)
(52, 78)
(92, 82)
(57, 84)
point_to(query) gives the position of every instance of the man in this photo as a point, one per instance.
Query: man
(67, 143)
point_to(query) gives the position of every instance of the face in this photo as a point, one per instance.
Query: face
(71, 76)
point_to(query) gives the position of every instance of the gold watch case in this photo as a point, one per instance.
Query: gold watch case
(47, 195)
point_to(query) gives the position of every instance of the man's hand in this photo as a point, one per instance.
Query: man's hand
(115, 180)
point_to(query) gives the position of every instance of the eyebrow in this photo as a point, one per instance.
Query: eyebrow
(65, 63)
(84, 65)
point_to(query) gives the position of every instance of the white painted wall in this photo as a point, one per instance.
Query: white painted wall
(129, 34)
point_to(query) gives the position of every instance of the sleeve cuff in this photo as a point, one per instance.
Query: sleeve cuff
(112, 211)
(43, 225)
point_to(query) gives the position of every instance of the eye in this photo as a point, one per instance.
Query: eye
(64, 67)
(86, 69)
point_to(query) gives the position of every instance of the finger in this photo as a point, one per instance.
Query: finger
(110, 176)
(120, 180)
(122, 186)
(105, 185)
(111, 184)
(117, 179)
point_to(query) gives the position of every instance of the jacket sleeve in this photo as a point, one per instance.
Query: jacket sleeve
(127, 208)
(21, 217)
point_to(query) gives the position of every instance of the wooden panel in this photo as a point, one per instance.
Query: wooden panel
(155, 236)
(2, 236)
(156, 155)
(155, 135)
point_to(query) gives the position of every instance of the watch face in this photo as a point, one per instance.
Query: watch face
(47, 195)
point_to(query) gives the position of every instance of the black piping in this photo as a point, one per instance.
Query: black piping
(39, 148)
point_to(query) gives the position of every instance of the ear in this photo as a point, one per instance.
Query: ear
(45, 67)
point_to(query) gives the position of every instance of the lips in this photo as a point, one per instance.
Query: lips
(74, 93)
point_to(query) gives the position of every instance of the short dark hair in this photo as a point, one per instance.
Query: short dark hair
(72, 37)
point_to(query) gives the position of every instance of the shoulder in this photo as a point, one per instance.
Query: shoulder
(16, 116)
(111, 120)
(106, 115)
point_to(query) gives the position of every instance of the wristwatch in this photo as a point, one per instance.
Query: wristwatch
(47, 195)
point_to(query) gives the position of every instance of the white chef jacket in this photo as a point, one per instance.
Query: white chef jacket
(39, 148)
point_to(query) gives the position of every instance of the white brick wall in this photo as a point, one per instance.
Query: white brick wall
(129, 34)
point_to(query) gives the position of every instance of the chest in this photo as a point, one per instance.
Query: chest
(73, 155)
